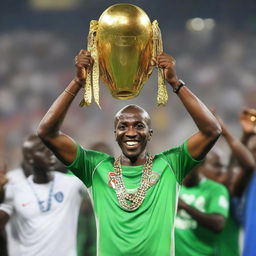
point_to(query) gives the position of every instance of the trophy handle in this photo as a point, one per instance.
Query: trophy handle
(92, 79)
(162, 94)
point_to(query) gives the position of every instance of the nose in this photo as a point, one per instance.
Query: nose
(131, 132)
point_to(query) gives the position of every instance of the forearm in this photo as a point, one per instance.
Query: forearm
(203, 118)
(51, 122)
(239, 152)
(214, 222)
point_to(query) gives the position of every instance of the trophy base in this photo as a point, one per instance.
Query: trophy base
(124, 95)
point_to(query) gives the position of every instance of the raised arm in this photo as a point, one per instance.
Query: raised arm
(48, 130)
(243, 158)
(209, 129)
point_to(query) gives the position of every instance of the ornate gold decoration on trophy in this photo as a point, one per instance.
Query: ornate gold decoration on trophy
(122, 44)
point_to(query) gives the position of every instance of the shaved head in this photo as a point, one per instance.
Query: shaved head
(132, 109)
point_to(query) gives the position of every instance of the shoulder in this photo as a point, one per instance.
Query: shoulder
(173, 150)
(16, 175)
(97, 154)
(91, 156)
(14, 189)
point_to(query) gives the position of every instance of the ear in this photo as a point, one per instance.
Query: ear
(115, 134)
(150, 134)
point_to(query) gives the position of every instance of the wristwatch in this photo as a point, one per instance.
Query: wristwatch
(177, 88)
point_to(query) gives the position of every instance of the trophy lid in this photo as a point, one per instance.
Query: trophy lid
(125, 19)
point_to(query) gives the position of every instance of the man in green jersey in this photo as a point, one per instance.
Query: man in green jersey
(134, 196)
(202, 210)
(235, 178)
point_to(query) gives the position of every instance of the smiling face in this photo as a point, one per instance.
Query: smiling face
(132, 130)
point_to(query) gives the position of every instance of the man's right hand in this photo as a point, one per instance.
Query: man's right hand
(83, 62)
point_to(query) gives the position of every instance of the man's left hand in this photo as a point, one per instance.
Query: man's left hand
(167, 63)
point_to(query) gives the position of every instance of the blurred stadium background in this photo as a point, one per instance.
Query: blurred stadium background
(213, 42)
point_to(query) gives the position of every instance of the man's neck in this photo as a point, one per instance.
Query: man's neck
(128, 161)
(42, 178)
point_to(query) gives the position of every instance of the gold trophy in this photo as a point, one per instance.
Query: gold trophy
(122, 44)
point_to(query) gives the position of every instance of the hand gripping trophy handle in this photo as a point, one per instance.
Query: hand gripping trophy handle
(92, 80)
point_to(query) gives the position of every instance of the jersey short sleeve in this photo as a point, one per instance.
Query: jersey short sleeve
(7, 205)
(220, 202)
(180, 161)
(85, 163)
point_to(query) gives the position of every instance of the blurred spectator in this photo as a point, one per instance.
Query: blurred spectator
(235, 178)
(42, 205)
(202, 211)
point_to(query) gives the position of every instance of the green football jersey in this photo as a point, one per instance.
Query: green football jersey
(148, 230)
(192, 239)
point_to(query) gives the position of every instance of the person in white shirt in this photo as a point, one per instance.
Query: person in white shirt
(45, 206)
(16, 176)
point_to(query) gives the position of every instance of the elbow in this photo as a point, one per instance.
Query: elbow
(214, 132)
(43, 133)
(217, 132)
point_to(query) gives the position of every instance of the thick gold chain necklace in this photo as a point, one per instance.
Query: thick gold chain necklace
(132, 201)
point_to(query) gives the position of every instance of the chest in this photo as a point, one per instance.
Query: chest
(106, 187)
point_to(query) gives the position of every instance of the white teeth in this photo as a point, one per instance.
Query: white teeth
(131, 143)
